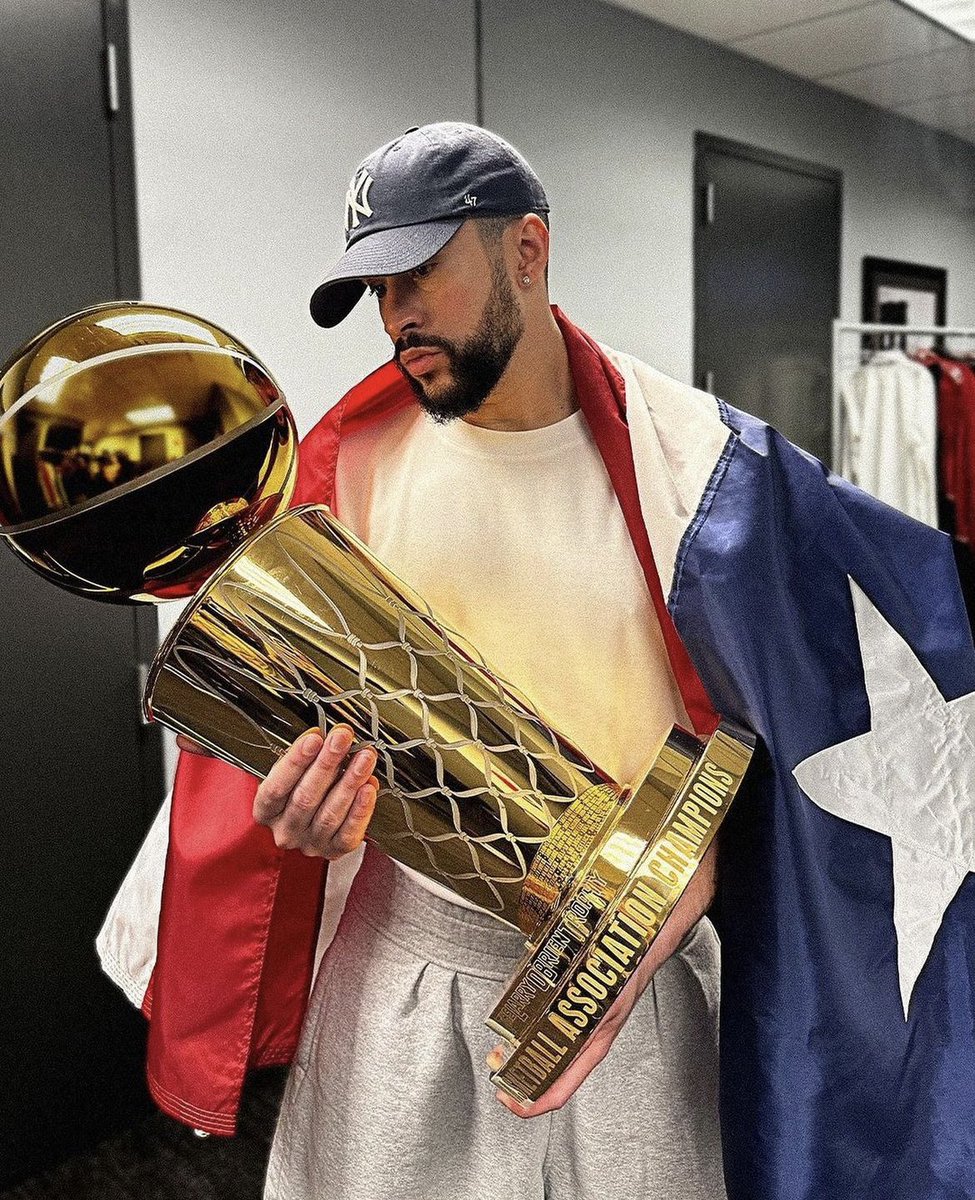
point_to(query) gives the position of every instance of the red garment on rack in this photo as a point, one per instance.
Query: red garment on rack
(956, 433)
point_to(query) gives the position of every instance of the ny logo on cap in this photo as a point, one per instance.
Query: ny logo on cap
(357, 199)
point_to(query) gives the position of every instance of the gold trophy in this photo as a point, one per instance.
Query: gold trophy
(145, 455)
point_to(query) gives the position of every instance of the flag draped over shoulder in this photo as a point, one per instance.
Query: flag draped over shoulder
(834, 627)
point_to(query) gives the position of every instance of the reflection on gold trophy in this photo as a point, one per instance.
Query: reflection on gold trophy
(145, 454)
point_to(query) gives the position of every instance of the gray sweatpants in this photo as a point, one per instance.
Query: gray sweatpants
(389, 1097)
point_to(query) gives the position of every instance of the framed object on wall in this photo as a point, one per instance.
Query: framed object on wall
(903, 293)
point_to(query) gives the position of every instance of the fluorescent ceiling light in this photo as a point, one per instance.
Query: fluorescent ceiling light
(956, 15)
(54, 366)
(152, 416)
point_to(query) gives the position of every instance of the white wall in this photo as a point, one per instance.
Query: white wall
(249, 118)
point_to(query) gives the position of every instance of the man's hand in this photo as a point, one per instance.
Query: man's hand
(307, 802)
(687, 912)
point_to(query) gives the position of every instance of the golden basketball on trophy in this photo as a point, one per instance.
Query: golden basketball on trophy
(146, 455)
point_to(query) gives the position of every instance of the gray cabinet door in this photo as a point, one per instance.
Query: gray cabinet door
(81, 776)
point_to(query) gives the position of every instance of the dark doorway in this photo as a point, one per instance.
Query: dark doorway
(81, 774)
(766, 285)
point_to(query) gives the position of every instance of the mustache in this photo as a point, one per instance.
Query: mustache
(416, 341)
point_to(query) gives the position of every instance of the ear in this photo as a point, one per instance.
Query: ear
(531, 245)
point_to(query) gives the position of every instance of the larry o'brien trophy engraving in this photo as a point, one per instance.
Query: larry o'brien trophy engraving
(146, 454)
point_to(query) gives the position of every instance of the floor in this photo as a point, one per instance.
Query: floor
(163, 1160)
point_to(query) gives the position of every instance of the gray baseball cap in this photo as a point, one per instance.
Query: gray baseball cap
(409, 197)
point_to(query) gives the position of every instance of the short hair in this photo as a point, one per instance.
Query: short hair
(491, 229)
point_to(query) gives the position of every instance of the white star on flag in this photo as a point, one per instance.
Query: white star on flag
(911, 777)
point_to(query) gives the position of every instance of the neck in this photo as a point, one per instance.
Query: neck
(536, 388)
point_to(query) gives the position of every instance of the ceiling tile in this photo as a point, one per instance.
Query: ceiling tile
(909, 80)
(954, 111)
(881, 51)
(957, 15)
(719, 21)
(845, 41)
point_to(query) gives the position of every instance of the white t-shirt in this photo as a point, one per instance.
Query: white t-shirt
(517, 540)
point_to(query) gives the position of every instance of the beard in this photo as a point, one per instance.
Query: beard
(476, 364)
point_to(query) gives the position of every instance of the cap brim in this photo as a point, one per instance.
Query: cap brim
(385, 252)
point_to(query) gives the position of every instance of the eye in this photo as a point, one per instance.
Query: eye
(376, 289)
(423, 270)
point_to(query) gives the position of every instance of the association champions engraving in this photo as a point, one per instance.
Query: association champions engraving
(636, 917)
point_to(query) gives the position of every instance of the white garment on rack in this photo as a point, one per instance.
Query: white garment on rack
(889, 433)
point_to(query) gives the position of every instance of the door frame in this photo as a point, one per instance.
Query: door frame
(128, 286)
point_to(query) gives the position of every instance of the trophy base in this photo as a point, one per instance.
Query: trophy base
(606, 917)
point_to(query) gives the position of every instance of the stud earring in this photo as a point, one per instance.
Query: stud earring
(526, 280)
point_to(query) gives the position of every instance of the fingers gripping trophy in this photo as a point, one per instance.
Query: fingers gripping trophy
(148, 455)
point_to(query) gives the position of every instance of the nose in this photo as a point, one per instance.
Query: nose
(400, 307)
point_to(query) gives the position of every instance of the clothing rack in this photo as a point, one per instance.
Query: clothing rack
(840, 370)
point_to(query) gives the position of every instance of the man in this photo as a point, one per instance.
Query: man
(480, 502)
(525, 481)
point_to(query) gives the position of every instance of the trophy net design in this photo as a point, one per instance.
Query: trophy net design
(304, 627)
(296, 624)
